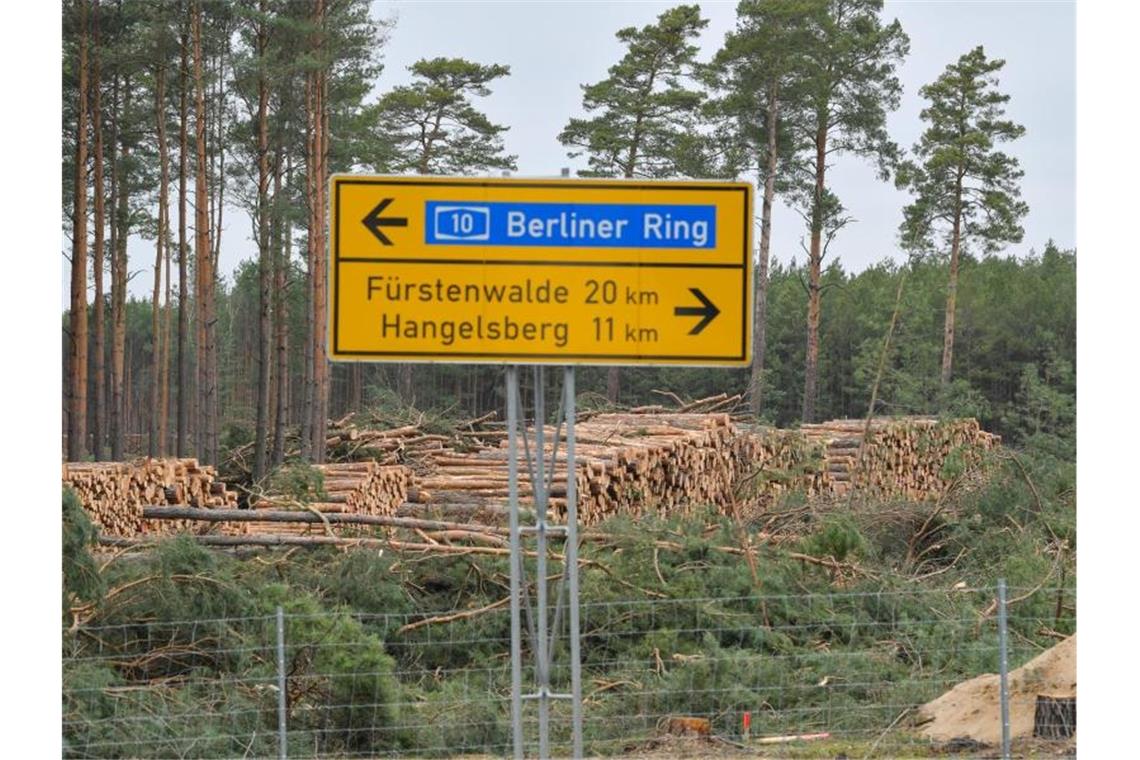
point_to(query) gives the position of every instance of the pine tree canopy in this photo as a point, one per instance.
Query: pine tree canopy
(645, 113)
(959, 170)
(435, 127)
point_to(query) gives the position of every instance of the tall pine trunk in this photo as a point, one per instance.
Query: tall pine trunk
(952, 289)
(307, 390)
(99, 346)
(281, 250)
(760, 306)
(317, 166)
(128, 391)
(119, 228)
(216, 181)
(157, 427)
(320, 282)
(811, 359)
(265, 262)
(207, 372)
(164, 432)
(185, 395)
(77, 409)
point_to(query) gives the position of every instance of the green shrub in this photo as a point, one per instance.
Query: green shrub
(81, 579)
(838, 537)
(465, 715)
(344, 697)
(300, 482)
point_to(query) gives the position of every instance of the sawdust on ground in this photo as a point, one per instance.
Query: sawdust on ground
(973, 709)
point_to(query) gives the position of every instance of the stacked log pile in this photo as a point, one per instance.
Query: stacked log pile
(661, 462)
(626, 464)
(669, 463)
(632, 463)
(773, 462)
(365, 488)
(902, 457)
(113, 493)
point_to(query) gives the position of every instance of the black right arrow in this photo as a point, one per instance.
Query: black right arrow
(373, 221)
(708, 311)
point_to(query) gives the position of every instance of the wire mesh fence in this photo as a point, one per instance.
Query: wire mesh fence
(852, 665)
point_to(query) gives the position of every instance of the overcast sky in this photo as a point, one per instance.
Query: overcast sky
(553, 48)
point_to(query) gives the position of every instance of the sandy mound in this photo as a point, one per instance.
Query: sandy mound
(972, 708)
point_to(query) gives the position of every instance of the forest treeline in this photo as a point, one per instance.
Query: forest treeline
(177, 113)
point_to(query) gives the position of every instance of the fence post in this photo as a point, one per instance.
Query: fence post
(1003, 658)
(281, 729)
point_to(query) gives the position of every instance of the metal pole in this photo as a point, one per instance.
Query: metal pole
(516, 559)
(1003, 654)
(281, 723)
(570, 552)
(539, 488)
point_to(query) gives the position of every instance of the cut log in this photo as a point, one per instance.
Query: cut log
(1055, 717)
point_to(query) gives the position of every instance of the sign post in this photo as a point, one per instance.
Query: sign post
(567, 272)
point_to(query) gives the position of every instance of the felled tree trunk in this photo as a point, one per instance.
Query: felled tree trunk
(1055, 717)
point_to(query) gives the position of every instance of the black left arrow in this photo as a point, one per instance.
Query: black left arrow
(707, 310)
(373, 221)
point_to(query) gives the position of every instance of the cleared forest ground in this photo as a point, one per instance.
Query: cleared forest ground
(813, 614)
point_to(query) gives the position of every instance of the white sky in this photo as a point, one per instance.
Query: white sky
(555, 47)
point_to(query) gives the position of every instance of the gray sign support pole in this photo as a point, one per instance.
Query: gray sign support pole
(571, 554)
(538, 486)
(516, 560)
(545, 634)
(281, 705)
(1003, 655)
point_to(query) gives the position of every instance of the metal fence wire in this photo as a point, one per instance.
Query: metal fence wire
(852, 665)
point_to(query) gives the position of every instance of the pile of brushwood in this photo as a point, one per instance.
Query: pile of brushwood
(372, 672)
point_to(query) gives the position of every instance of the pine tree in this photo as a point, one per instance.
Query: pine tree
(341, 42)
(966, 190)
(160, 46)
(185, 390)
(120, 228)
(99, 221)
(249, 140)
(645, 111)
(77, 406)
(757, 70)
(848, 69)
(205, 296)
(432, 127)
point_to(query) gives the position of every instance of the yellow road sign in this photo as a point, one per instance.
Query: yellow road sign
(540, 271)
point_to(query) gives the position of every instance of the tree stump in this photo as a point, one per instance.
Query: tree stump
(1055, 717)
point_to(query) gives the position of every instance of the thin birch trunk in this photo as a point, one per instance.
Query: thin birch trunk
(760, 305)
